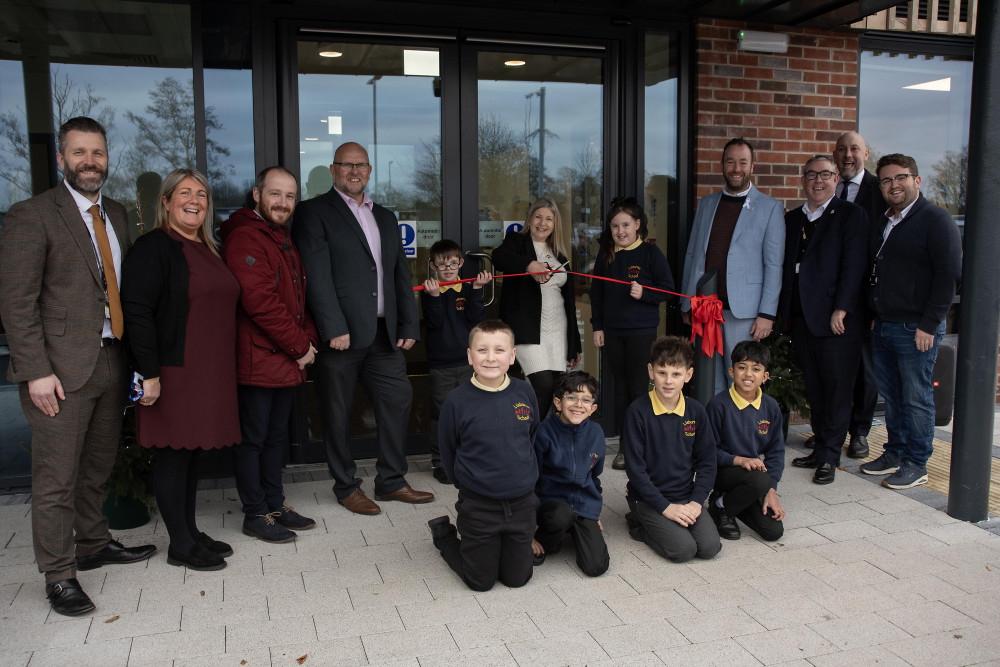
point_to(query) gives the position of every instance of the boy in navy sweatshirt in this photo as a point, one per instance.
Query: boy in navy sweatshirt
(570, 451)
(487, 428)
(747, 423)
(450, 312)
(670, 460)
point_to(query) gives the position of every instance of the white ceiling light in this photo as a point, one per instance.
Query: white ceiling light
(765, 42)
(420, 63)
(942, 85)
(514, 63)
(331, 54)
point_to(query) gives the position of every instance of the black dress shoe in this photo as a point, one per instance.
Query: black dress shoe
(67, 598)
(810, 442)
(114, 552)
(619, 462)
(726, 525)
(215, 546)
(440, 475)
(196, 558)
(537, 559)
(825, 473)
(857, 448)
(809, 461)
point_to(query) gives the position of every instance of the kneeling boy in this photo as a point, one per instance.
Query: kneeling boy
(570, 451)
(747, 423)
(670, 460)
(487, 427)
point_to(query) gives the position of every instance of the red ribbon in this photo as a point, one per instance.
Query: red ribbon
(706, 311)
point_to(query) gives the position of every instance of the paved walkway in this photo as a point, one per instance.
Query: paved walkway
(863, 575)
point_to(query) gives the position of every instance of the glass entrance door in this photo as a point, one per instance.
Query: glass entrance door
(453, 162)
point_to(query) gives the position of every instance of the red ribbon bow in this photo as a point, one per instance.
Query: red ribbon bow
(706, 316)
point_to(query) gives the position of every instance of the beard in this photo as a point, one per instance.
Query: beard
(86, 179)
(275, 215)
(737, 181)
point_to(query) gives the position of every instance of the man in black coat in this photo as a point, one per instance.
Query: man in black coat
(825, 242)
(361, 298)
(916, 263)
(859, 185)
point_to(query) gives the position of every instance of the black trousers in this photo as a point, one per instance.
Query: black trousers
(865, 391)
(670, 539)
(258, 459)
(555, 519)
(381, 370)
(830, 365)
(496, 540)
(628, 357)
(743, 494)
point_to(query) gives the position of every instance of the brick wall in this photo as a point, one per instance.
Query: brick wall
(790, 106)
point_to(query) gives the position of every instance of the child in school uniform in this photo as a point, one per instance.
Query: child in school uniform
(670, 460)
(487, 428)
(626, 317)
(450, 312)
(747, 423)
(570, 451)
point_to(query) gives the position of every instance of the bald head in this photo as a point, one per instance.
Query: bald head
(850, 155)
(351, 170)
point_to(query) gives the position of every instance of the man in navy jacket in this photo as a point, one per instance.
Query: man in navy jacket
(916, 263)
(822, 297)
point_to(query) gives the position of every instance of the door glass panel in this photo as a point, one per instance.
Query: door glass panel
(660, 169)
(540, 132)
(386, 98)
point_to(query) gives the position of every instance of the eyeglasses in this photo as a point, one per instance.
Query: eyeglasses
(442, 266)
(826, 175)
(898, 178)
(581, 400)
(360, 166)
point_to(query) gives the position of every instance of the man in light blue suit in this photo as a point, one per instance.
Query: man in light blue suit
(740, 232)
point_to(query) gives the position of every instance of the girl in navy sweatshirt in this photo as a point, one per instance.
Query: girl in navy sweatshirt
(626, 317)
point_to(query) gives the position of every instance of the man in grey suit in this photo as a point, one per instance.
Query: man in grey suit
(740, 232)
(361, 298)
(60, 258)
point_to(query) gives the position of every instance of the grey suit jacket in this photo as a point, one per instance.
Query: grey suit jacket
(756, 253)
(51, 288)
(342, 288)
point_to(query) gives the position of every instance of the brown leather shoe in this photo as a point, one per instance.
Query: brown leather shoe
(359, 503)
(408, 495)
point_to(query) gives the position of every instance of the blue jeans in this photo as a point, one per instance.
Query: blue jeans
(904, 375)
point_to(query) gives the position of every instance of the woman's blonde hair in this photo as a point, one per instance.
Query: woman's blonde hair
(555, 240)
(170, 184)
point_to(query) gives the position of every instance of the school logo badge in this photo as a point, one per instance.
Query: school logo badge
(633, 272)
(593, 459)
(763, 426)
(522, 412)
(460, 303)
(690, 428)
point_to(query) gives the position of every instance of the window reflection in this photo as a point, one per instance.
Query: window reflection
(229, 105)
(919, 105)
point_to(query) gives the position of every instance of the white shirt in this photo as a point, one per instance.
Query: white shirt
(84, 205)
(812, 216)
(895, 220)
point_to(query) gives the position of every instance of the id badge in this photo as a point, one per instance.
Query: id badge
(135, 390)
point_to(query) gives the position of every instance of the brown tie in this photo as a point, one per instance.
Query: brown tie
(110, 278)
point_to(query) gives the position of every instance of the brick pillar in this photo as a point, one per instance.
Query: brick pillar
(790, 106)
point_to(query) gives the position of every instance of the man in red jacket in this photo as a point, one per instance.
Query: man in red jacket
(275, 343)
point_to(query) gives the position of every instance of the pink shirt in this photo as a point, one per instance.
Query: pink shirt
(366, 219)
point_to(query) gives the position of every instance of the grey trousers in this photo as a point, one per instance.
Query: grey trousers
(670, 539)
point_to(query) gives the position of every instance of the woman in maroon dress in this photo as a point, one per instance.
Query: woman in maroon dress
(179, 301)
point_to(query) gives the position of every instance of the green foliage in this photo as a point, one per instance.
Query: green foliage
(133, 466)
(787, 384)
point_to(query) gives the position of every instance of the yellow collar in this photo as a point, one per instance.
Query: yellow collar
(658, 408)
(457, 287)
(638, 242)
(477, 383)
(742, 402)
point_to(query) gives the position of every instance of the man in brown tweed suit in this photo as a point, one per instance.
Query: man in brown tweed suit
(59, 268)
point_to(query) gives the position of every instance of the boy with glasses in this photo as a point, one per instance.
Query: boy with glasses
(450, 312)
(570, 451)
